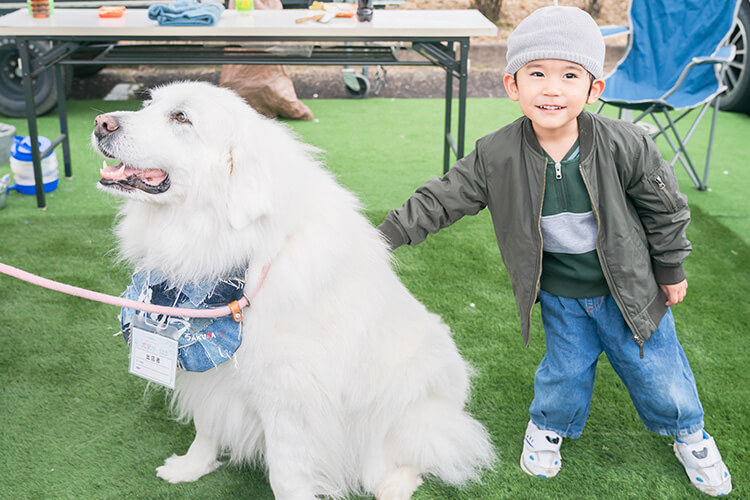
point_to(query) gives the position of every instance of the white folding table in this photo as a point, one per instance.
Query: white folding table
(391, 38)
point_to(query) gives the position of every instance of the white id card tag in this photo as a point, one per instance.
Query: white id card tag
(153, 355)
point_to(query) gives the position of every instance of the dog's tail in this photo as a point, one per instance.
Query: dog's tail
(442, 439)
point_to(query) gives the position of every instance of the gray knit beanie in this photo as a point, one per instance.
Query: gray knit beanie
(566, 33)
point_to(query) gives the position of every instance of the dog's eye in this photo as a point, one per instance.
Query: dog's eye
(180, 117)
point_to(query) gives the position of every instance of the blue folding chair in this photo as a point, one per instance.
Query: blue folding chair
(675, 59)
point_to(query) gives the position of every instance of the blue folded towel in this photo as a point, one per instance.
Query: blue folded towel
(186, 13)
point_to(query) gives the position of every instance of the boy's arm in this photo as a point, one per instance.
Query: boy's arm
(438, 203)
(664, 213)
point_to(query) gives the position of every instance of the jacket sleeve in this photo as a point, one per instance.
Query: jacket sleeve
(438, 203)
(663, 211)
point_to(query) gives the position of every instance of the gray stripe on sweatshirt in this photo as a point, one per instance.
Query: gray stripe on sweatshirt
(571, 233)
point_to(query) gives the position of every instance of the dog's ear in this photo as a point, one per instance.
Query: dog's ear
(248, 187)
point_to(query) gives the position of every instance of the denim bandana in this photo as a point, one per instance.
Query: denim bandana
(203, 343)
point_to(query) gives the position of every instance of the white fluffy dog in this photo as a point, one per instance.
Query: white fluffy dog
(343, 382)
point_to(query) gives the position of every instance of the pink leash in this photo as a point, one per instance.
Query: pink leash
(233, 308)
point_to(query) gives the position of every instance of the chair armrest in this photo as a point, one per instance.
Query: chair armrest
(723, 55)
(612, 30)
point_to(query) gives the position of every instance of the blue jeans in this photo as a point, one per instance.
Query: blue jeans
(661, 384)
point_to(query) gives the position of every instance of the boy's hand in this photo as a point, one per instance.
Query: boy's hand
(675, 293)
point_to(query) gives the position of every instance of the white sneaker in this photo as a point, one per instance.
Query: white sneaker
(703, 465)
(541, 452)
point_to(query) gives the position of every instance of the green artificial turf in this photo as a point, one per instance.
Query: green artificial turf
(75, 424)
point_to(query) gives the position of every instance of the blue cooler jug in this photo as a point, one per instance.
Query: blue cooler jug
(23, 168)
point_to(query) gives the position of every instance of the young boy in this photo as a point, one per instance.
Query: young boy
(590, 222)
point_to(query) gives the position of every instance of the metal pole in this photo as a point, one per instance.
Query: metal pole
(710, 143)
(448, 109)
(689, 166)
(696, 122)
(464, 77)
(28, 91)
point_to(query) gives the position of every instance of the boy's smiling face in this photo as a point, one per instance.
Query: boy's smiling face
(552, 93)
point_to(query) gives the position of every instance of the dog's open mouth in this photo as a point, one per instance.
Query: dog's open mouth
(152, 181)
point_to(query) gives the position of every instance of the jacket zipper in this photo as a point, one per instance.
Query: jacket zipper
(561, 186)
(663, 188)
(605, 269)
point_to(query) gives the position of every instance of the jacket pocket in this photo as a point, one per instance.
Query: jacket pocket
(668, 194)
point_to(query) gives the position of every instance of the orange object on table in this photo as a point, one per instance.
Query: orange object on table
(316, 17)
(40, 9)
(112, 11)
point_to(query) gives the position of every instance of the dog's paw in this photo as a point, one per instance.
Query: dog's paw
(182, 469)
(399, 484)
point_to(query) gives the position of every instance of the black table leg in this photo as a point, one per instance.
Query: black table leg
(447, 139)
(28, 91)
(462, 82)
(63, 116)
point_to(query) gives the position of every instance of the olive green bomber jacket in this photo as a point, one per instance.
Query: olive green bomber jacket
(641, 214)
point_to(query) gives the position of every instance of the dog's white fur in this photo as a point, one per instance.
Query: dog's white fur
(344, 381)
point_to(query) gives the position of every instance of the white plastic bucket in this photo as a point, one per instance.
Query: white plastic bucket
(23, 168)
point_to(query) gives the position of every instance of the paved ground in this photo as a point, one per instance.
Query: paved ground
(325, 82)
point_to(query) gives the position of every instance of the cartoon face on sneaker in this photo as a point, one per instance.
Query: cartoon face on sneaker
(552, 93)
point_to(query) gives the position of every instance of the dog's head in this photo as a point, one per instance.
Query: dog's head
(192, 142)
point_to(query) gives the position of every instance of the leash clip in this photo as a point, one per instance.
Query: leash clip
(234, 306)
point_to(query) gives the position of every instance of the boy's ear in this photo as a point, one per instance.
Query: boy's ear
(511, 88)
(597, 87)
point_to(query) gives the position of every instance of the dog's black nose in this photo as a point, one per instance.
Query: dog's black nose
(105, 125)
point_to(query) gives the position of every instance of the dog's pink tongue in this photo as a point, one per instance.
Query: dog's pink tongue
(153, 176)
